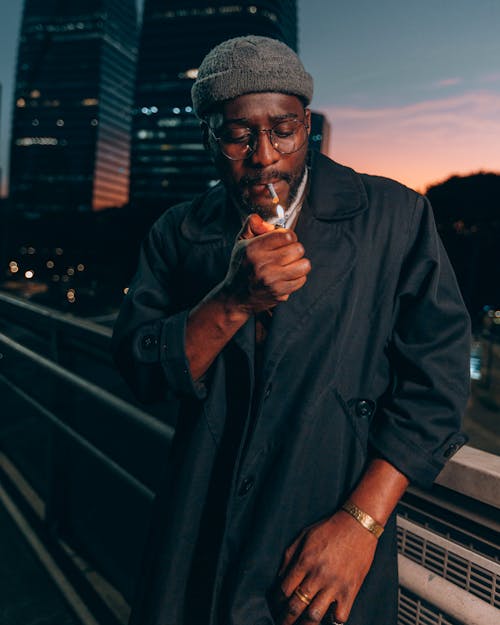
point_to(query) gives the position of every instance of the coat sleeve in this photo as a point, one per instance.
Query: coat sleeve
(148, 336)
(417, 427)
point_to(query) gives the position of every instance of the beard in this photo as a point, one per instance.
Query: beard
(267, 210)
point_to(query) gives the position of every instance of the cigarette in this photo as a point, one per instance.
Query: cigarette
(280, 223)
(273, 193)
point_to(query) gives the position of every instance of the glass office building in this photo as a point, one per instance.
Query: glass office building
(169, 163)
(73, 99)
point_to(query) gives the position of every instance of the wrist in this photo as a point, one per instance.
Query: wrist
(363, 518)
(232, 308)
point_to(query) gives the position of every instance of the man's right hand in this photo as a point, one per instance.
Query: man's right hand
(267, 265)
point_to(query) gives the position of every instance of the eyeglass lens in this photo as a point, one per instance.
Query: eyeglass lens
(286, 137)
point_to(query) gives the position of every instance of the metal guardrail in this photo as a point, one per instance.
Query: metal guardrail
(59, 418)
(428, 595)
(57, 326)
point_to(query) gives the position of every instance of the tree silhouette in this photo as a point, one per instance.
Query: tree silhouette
(467, 211)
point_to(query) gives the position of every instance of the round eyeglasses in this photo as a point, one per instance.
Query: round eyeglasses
(238, 143)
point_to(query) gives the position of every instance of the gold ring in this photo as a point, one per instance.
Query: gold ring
(303, 596)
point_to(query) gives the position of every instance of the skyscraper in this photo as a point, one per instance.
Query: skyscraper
(169, 163)
(70, 146)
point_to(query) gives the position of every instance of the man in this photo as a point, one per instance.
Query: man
(321, 365)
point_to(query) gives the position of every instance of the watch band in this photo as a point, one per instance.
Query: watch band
(363, 518)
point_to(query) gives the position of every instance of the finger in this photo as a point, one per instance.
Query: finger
(269, 243)
(289, 287)
(317, 609)
(287, 254)
(343, 606)
(298, 603)
(268, 272)
(254, 226)
(294, 577)
(289, 553)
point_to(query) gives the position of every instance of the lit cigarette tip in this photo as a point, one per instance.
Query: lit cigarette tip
(273, 193)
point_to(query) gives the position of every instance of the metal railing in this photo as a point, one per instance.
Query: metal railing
(95, 461)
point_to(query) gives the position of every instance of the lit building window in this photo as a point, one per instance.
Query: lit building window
(60, 122)
(188, 109)
(231, 9)
(93, 122)
(50, 264)
(90, 102)
(35, 122)
(29, 274)
(27, 141)
(252, 9)
(21, 102)
(189, 73)
(176, 110)
(35, 93)
(169, 122)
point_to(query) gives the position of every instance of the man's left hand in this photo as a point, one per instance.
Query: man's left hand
(325, 566)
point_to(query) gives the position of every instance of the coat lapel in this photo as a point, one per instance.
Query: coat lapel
(335, 194)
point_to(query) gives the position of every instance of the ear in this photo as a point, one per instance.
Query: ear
(307, 120)
(205, 134)
(207, 143)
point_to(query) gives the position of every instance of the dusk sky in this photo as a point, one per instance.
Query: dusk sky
(412, 89)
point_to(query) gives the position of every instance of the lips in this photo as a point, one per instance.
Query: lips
(259, 185)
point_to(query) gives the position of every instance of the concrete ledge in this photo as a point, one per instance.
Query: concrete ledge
(445, 596)
(473, 473)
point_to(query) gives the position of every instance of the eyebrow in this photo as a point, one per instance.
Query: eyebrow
(246, 121)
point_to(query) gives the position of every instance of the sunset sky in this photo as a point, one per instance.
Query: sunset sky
(412, 89)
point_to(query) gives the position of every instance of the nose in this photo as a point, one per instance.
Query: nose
(264, 153)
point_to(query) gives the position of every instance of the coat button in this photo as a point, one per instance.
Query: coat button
(149, 341)
(268, 390)
(364, 408)
(452, 450)
(246, 486)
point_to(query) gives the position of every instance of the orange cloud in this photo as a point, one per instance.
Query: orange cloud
(423, 142)
(447, 82)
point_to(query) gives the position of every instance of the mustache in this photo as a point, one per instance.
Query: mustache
(260, 178)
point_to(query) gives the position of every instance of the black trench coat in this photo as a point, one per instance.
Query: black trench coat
(369, 357)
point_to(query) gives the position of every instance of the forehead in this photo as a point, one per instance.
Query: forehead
(261, 108)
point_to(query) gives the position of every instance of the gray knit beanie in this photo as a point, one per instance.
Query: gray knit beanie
(249, 64)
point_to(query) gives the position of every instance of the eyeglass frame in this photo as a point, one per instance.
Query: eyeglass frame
(254, 133)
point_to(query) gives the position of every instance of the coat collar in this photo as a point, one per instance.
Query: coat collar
(211, 217)
(335, 193)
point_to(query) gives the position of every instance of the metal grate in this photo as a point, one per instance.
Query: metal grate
(472, 572)
(414, 611)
